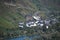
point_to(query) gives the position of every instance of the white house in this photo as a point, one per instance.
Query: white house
(36, 17)
(21, 24)
(36, 22)
(31, 24)
(39, 23)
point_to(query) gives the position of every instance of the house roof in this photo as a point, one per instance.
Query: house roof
(36, 17)
(47, 21)
(21, 26)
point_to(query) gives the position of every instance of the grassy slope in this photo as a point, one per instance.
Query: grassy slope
(10, 16)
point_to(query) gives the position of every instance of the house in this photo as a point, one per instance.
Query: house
(36, 17)
(40, 23)
(47, 22)
(21, 24)
(30, 24)
(36, 21)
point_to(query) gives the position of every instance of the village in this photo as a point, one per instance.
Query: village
(36, 20)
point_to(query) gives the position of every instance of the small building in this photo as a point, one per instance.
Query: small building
(47, 22)
(36, 21)
(21, 24)
(36, 17)
(30, 24)
(40, 23)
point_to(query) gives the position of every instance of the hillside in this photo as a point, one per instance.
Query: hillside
(14, 11)
(10, 15)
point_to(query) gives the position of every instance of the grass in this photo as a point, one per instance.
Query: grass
(5, 23)
(10, 20)
(9, 17)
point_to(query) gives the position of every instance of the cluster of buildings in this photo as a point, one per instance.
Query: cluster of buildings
(36, 20)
